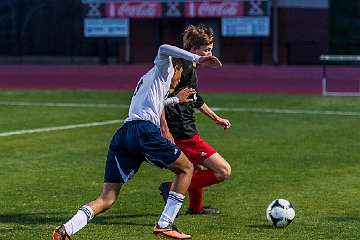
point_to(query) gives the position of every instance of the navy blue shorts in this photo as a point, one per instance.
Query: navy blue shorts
(133, 143)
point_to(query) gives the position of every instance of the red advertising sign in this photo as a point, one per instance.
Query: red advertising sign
(214, 9)
(176, 8)
(133, 10)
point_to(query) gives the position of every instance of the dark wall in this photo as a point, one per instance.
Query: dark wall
(303, 35)
(144, 40)
(345, 27)
(48, 28)
(55, 28)
(8, 27)
(244, 50)
(39, 27)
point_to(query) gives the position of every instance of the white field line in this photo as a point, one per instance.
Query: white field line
(287, 111)
(50, 104)
(218, 109)
(50, 129)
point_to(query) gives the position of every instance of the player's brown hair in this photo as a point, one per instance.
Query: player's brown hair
(196, 36)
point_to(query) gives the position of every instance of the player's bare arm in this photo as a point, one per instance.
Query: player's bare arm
(209, 61)
(183, 97)
(165, 129)
(225, 123)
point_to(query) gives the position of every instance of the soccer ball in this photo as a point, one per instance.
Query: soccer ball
(280, 212)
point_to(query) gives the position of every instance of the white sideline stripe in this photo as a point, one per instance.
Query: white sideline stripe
(219, 109)
(50, 129)
(50, 104)
(93, 124)
(287, 111)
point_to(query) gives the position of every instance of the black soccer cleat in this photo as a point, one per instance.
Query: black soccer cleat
(205, 211)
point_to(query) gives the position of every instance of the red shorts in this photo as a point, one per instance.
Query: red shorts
(196, 149)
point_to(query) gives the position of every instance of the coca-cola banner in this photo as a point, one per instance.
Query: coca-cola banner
(214, 9)
(133, 10)
(176, 8)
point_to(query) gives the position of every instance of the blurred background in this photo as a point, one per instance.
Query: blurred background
(257, 34)
(120, 31)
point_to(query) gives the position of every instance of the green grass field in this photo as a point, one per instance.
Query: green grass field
(310, 155)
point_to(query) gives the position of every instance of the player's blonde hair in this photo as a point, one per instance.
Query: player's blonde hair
(196, 36)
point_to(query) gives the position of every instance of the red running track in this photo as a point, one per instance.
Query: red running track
(230, 78)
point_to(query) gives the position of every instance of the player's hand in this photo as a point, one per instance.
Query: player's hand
(184, 95)
(210, 61)
(167, 134)
(200, 167)
(223, 122)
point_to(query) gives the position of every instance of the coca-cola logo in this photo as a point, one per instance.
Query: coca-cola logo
(214, 9)
(133, 10)
(218, 9)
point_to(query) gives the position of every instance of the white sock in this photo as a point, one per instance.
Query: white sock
(172, 207)
(79, 220)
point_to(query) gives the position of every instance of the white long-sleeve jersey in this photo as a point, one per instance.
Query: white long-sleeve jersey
(150, 95)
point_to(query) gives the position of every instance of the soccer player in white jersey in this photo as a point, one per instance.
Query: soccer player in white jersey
(140, 139)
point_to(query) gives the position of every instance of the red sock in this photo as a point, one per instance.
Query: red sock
(195, 199)
(202, 179)
(199, 180)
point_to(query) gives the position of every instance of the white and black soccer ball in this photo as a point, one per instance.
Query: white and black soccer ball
(280, 212)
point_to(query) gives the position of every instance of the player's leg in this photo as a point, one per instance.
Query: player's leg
(107, 198)
(201, 179)
(220, 167)
(217, 170)
(162, 153)
(200, 152)
(118, 169)
(87, 212)
(183, 169)
(197, 150)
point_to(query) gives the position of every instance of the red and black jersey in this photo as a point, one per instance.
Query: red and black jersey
(181, 117)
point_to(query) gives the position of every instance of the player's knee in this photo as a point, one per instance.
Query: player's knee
(182, 166)
(223, 173)
(189, 169)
